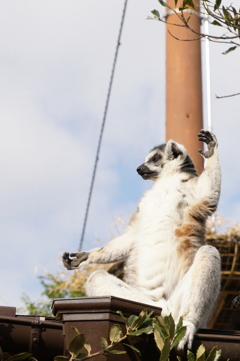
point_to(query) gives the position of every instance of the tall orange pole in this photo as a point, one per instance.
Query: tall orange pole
(184, 116)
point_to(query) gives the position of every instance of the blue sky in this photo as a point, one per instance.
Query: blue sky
(55, 63)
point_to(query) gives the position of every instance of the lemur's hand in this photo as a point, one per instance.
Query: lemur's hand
(75, 259)
(211, 141)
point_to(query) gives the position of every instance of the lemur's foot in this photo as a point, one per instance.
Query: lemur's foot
(211, 141)
(75, 259)
(188, 338)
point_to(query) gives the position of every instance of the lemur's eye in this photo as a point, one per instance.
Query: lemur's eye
(156, 158)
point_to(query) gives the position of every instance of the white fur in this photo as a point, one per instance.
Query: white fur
(159, 272)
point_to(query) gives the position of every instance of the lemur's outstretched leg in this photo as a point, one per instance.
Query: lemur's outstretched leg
(196, 294)
(102, 283)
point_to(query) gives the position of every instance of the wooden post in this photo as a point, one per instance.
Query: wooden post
(184, 117)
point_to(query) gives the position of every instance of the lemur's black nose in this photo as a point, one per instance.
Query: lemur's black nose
(142, 169)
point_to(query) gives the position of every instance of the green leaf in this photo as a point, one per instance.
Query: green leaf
(200, 355)
(214, 354)
(121, 314)
(166, 349)
(140, 319)
(179, 325)
(234, 10)
(236, 21)
(60, 358)
(117, 352)
(147, 323)
(167, 322)
(171, 325)
(179, 336)
(165, 4)
(143, 319)
(160, 321)
(217, 4)
(131, 321)
(156, 13)
(76, 345)
(103, 343)
(143, 314)
(115, 333)
(87, 346)
(190, 356)
(179, 358)
(133, 348)
(215, 22)
(20, 356)
(75, 329)
(229, 50)
(147, 330)
(81, 356)
(190, 3)
(158, 339)
(226, 13)
(150, 314)
(160, 329)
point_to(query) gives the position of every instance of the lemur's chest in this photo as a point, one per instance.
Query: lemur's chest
(160, 211)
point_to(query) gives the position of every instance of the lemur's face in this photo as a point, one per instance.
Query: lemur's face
(153, 164)
(168, 156)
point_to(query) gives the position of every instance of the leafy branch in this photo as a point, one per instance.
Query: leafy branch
(135, 326)
(226, 17)
(24, 356)
(166, 335)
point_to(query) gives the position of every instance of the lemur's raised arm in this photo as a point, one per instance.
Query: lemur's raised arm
(209, 182)
(167, 263)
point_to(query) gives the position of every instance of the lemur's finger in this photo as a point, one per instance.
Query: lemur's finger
(205, 133)
(65, 255)
(201, 152)
(75, 262)
(205, 136)
(81, 256)
(78, 254)
(201, 139)
(209, 138)
(202, 131)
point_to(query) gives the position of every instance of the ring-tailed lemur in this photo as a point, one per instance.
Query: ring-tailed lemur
(167, 263)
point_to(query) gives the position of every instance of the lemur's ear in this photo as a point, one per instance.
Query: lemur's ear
(173, 150)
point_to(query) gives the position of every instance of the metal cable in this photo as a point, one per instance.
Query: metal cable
(102, 127)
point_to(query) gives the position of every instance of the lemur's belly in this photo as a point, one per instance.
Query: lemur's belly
(152, 264)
